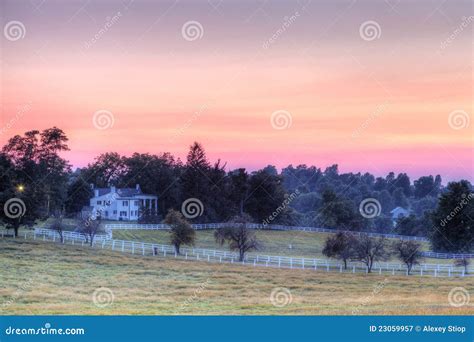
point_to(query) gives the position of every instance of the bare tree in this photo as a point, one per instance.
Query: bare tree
(464, 262)
(238, 236)
(181, 231)
(368, 250)
(58, 227)
(340, 246)
(409, 252)
(89, 228)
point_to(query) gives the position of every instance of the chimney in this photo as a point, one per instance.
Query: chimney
(96, 192)
(137, 187)
(92, 186)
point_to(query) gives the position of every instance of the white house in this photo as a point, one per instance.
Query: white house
(121, 204)
(397, 213)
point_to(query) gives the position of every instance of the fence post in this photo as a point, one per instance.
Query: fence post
(143, 248)
(220, 259)
(279, 262)
(380, 270)
(340, 268)
(123, 246)
(208, 258)
(113, 244)
(291, 262)
(353, 269)
(133, 247)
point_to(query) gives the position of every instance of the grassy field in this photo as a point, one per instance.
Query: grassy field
(285, 243)
(48, 278)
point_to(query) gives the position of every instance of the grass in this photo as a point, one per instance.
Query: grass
(48, 278)
(285, 243)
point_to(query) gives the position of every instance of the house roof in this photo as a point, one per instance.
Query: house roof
(122, 192)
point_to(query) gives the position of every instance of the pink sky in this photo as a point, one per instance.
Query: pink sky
(381, 105)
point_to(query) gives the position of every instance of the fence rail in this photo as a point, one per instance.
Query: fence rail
(252, 259)
(204, 226)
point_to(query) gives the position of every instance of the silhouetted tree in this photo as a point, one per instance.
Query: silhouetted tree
(238, 236)
(409, 252)
(340, 246)
(452, 222)
(181, 232)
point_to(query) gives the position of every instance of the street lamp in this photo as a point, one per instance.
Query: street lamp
(20, 188)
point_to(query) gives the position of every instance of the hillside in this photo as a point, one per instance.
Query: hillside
(47, 278)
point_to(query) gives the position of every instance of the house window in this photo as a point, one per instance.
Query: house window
(125, 203)
(123, 213)
(99, 202)
(115, 212)
(137, 203)
(106, 213)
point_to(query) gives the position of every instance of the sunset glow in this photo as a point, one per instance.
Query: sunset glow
(368, 105)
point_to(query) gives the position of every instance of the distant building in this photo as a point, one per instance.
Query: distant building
(399, 212)
(120, 204)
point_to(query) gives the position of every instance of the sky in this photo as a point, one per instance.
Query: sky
(374, 86)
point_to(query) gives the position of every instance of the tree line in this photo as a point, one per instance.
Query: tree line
(32, 169)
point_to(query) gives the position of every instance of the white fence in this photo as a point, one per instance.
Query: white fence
(251, 259)
(203, 226)
(121, 226)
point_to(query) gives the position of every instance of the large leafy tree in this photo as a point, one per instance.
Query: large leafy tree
(453, 221)
(40, 173)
